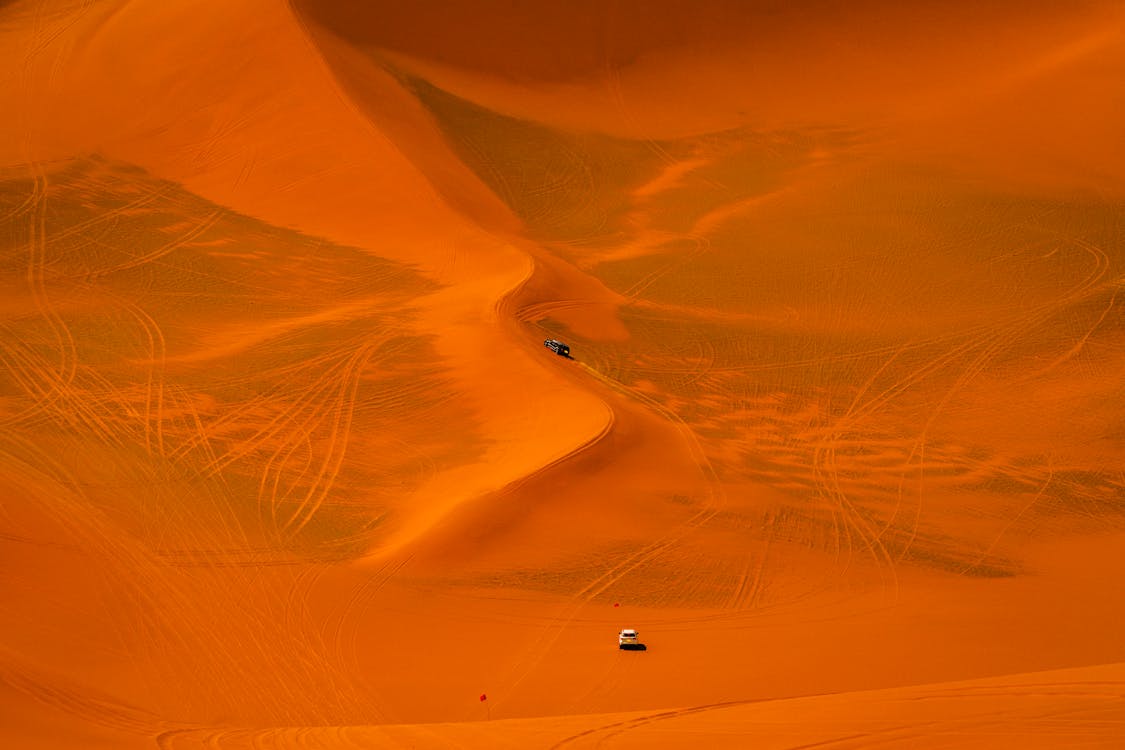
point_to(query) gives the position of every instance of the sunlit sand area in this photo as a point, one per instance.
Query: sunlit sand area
(285, 463)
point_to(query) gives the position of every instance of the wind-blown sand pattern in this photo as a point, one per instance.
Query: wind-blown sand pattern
(285, 464)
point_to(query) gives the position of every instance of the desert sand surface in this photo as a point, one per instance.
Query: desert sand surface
(285, 463)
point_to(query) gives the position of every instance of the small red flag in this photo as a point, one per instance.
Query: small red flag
(483, 697)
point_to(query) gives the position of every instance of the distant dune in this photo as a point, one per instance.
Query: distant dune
(285, 463)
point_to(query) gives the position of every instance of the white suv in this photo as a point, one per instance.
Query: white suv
(628, 638)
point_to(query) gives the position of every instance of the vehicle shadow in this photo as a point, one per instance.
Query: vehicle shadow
(633, 647)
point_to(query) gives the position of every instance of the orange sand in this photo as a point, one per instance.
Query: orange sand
(284, 462)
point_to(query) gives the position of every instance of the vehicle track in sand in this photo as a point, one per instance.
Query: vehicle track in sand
(600, 735)
(78, 701)
(968, 359)
(624, 564)
(151, 428)
(184, 239)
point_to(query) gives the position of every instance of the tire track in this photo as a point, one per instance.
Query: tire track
(155, 364)
(127, 568)
(346, 696)
(613, 84)
(701, 244)
(343, 641)
(343, 379)
(36, 281)
(82, 703)
(187, 237)
(338, 442)
(57, 401)
(623, 566)
(599, 735)
(307, 400)
(104, 217)
(976, 351)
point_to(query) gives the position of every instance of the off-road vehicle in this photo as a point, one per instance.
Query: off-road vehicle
(557, 347)
(628, 639)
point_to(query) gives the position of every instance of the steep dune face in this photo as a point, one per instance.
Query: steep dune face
(830, 285)
(986, 87)
(283, 450)
(163, 88)
(188, 391)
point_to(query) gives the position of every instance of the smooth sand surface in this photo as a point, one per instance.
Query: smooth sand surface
(284, 462)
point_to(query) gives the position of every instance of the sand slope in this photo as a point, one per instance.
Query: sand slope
(1066, 708)
(284, 462)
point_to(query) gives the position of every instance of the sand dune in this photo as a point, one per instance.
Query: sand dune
(284, 462)
(1066, 708)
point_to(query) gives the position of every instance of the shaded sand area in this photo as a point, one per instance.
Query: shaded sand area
(284, 462)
